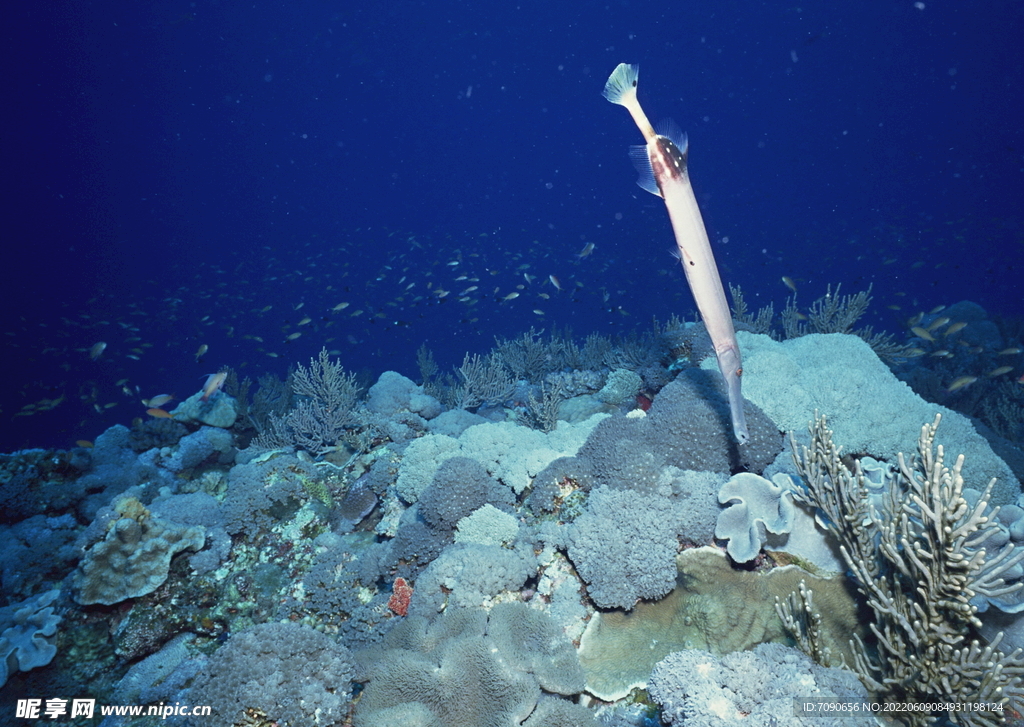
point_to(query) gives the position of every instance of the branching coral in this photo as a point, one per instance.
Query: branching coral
(326, 409)
(918, 563)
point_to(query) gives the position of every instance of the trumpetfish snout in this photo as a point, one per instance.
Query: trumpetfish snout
(663, 171)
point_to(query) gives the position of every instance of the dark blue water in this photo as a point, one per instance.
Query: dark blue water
(178, 175)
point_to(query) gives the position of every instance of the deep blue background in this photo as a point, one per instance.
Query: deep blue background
(171, 169)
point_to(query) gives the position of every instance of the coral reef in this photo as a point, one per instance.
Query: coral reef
(465, 554)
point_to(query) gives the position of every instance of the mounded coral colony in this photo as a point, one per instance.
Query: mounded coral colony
(555, 535)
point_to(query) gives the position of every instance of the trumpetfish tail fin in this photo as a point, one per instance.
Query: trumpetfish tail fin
(621, 89)
(622, 83)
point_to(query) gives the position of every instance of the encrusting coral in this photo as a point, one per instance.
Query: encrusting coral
(918, 563)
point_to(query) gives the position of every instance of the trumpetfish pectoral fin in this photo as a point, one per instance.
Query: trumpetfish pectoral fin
(666, 162)
(642, 161)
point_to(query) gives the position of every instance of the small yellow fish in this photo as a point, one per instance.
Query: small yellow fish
(214, 383)
(340, 306)
(1013, 350)
(97, 350)
(941, 353)
(961, 383)
(914, 352)
(202, 349)
(999, 371)
(922, 333)
(956, 327)
(555, 282)
(788, 282)
(938, 323)
(157, 401)
(84, 443)
(510, 296)
(587, 251)
(293, 336)
(158, 413)
(305, 321)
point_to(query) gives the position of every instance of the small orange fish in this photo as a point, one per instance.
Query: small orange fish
(85, 443)
(158, 413)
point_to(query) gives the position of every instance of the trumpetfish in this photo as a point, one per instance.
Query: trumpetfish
(662, 167)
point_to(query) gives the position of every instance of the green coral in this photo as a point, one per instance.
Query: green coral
(318, 489)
